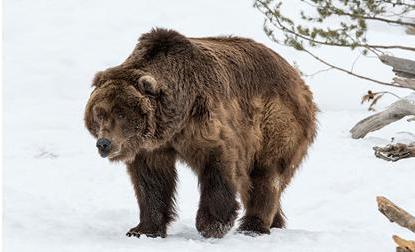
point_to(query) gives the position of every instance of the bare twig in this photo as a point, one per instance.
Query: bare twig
(318, 72)
(351, 73)
(390, 93)
(355, 61)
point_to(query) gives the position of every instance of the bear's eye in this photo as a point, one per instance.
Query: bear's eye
(118, 113)
(100, 116)
(99, 113)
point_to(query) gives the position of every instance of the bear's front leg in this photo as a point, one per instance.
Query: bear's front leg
(218, 206)
(153, 175)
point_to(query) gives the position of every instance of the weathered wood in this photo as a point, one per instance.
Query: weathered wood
(395, 213)
(404, 245)
(400, 249)
(396, 111)
(404, 82)
(402, 67)
(395, 152)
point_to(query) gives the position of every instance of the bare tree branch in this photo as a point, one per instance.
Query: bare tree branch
(318, 72)
(354, 74)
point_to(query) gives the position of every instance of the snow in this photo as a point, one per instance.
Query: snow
(60, 196)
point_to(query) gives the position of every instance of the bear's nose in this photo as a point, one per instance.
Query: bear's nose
(104, 145)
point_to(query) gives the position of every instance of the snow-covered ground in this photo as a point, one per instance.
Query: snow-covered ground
(60, 196)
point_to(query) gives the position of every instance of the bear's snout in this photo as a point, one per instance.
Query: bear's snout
(104, 146)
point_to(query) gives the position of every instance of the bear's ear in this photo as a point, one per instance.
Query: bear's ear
(149, 85)
(98, 79)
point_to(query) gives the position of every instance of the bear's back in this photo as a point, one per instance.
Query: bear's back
(251, 67)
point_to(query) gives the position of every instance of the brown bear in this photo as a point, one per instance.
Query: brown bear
(231, 108)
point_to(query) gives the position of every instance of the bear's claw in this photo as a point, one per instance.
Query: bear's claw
(138, 231)
(210, 227)
(252, 226)
(133, 233)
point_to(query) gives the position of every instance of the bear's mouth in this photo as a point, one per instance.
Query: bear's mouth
(103, 154)
(114, 155)
(118, 154)
(110, 154)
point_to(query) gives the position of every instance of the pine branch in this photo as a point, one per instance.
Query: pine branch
(282, 27)
(296, 36)
(340, 12)
(397, 3)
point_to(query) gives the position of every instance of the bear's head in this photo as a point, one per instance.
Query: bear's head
(145, 101)
(121, 116)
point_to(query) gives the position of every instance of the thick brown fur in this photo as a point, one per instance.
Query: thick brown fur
(235, 111)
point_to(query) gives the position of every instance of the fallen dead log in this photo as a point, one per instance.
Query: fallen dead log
(401, 67)
(396, 111)
(404, 82)
(395, 213)
(395, 152)
(404, 70)
(402, 218)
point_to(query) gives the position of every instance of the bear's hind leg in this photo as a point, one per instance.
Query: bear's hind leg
(154, 179)
(279, 219)
(218, 206)
(263, 205)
